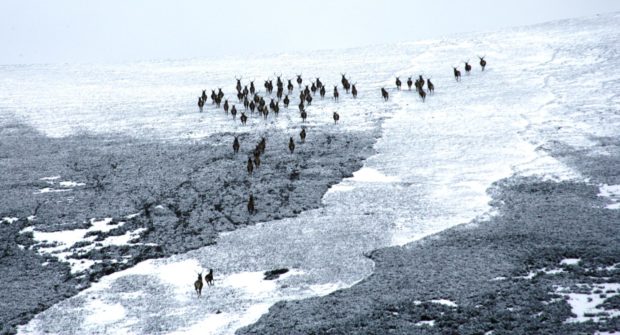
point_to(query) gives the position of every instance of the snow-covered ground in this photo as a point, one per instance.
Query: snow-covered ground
(434, 162)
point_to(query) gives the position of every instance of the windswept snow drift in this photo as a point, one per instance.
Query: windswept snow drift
(433, 165)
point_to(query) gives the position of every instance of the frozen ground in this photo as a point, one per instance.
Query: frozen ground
(432, 167)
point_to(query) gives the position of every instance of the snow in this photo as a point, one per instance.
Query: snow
(570, 261)
(446, 302)
(585, 306)
(62, 241)
(50, 178)
(430, 171)
(613, 193)
(9, 219)
(430, 323)
(70, 184)
(50, 190)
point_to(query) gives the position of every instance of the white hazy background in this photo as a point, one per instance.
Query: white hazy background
(75, 31)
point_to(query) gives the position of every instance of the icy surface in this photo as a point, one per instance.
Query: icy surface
(431, 170)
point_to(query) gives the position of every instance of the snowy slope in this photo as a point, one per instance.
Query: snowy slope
(544, 84)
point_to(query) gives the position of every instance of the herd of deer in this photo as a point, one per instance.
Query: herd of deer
(254, 102)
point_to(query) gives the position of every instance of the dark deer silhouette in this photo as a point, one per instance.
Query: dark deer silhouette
(209, 278)
(246, 102)
(201, 103)
(233, 112)
(467, 67)
(344, 80)
(309, 99)
(251, 208)
(336, 117)
(322, 92)
(409, 83)
(299, 80)
(422, 94)
(244, 118)
(291, 144)
(354, 91)
(252, 88)
(289, 86)
(198, 285)
(336, 94)
(385, 94)
(236, 145)
(226, 106)
(252, 106)
(483, 62)
(431, 87)
(457, 74)
(302, 135)
(319, 84)
(398, 83)
(250, 166)
(204, 95)
(286, 101)
(304, 116)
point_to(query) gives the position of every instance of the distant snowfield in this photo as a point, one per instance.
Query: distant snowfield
(433, 164)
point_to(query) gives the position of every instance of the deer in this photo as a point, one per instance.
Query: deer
(319, 84)
(336, 94)
(467, 67)
(336, 117)
(313, 88)
(246, 103)
(291, 145)
(245, 91)
(302, 135)
(301, 106)
(422, 94)
(236, 145)
(398, 83)
(198, 285)
(409, 83)
(322, 92)
(209, 278)
(354, 91)
(238, 87)
(243, 118)
(385, 94)
(233, 112)
(289, 86)
(252, 88)
(204, 95)
(304, 116)
(262, 145)
(483, 62)
(250, 166)
(299, 80)
(226, 106)
(457, 74)
(309, 99)
(286, 101)
(344, 80)
(201, 103)
(220, 93)
(251, 208)
(252, 107)
(431, 87)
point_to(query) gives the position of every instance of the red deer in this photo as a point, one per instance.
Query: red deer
(322, 92)
(226, 106)
(204, 96)
(313, 88)
(309, 99)
(201, 103)
(246, 103)
(385, 94)
(422, 94)
(354, 91)
(238, 84)
(244, 118)
(286, 101)
(209, 278)
(319, 84)
(233, 112)
(251, 208)
(467, 67)
(302, 135)
(483, 62)
(250, 166)
(289, 87)
(236, 145)
(252, 88)
(291, 145)
(431, 87)
(336, 94)
(252, 106)
(336, 117)
(304, 116)
(299, 80)
(409, 83)
(262, 145)
(457, 74)
(198, 285)
(398, 83)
